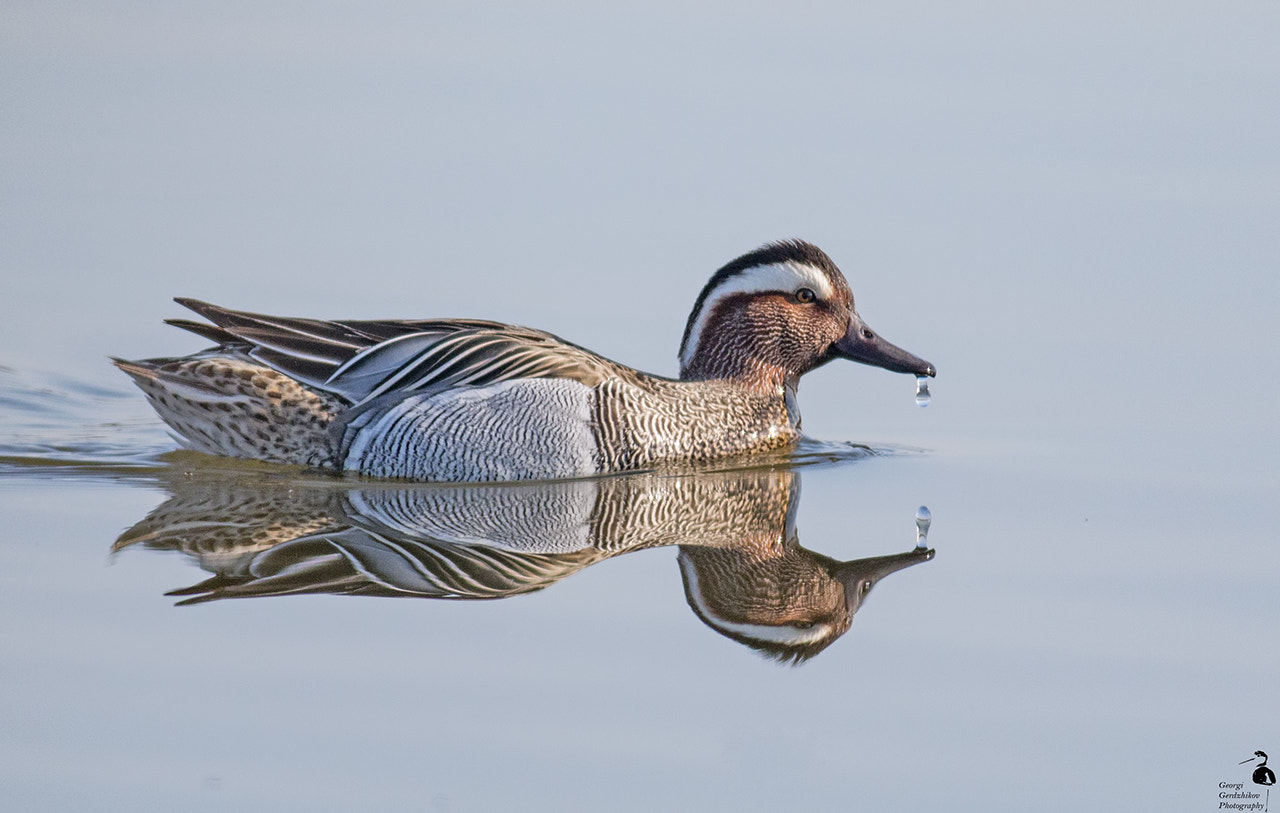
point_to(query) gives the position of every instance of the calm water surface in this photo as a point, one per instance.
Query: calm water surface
(1074, 620)
(1072, 215)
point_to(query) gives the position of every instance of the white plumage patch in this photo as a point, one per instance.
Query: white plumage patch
(528, 429)
(785, 277)
(539, 518)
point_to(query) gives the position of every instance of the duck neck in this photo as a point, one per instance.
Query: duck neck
(753, 375)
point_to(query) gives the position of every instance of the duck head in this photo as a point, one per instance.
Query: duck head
(774, 314)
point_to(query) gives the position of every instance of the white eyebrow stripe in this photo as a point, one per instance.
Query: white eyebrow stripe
(782, 634)
(784, 277)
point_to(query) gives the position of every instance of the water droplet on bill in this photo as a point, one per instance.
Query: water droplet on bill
(923, 520)
(922, 391)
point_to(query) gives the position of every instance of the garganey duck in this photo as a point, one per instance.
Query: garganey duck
(468, 400)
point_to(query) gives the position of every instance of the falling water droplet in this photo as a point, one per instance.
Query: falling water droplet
(923, 520)
(922, 391)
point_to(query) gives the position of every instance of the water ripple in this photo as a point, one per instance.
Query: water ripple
(52, 421)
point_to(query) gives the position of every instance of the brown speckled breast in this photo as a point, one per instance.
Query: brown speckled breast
(642, 422)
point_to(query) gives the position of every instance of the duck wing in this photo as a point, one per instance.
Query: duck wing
(357, 561)
(362, 360)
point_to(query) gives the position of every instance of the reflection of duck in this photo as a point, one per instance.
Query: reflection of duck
(1262, 775)
(746, 575)
(466, 400)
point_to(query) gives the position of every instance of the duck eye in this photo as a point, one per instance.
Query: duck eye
(805, 296)
(803, 625)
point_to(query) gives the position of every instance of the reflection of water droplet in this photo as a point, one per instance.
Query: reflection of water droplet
(922, 391)
(923, 520)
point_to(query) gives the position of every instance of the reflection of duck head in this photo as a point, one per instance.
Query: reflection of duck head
(782, 600)
(1262, 775)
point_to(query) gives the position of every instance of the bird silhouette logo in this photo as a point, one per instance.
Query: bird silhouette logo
(1262, 775)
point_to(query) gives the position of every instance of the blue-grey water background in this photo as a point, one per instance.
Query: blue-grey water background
(1071, 209)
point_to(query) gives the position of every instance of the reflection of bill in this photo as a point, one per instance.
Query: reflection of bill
(789, 606)
(745, 574)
